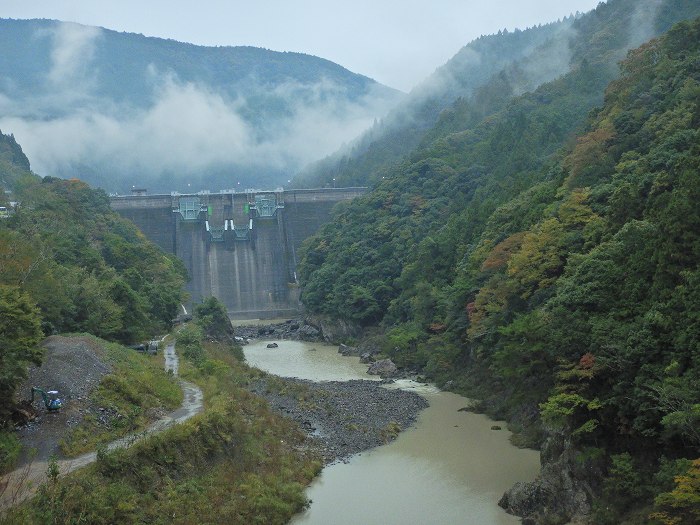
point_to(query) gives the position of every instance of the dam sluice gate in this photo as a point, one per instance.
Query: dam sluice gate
(240, 247)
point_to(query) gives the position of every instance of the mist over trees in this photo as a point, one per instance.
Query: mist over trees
(118, 109)
(532, 237)
(486, 73)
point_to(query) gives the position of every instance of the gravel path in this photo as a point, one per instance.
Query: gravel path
(21, 483)
(74, 366)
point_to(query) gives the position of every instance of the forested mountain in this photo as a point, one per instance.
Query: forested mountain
(488, 72)
(13, 162)
(121, 109)
(68, 263)
(472, 67)
(554, 275)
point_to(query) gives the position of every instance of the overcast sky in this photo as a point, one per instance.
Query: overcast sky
(397, 42)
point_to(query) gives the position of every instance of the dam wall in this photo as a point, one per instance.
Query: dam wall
(239, 247)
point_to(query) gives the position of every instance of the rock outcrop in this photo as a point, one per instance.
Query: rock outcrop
(334, 330)
(382, 368)
(293, 330)
(564, 490)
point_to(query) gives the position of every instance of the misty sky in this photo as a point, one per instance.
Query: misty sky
(397, 42)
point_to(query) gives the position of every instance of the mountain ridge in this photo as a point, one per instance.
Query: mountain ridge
(144, 108)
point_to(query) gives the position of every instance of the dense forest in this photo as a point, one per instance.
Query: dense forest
(544, 257)
(486, 74)
(537, 53)
(68, 263)
(124, 59)
(531, 240)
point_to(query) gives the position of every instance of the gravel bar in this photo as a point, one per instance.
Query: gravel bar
(343, 417)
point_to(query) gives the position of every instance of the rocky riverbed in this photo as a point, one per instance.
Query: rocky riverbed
(343, 418)
(293, 329)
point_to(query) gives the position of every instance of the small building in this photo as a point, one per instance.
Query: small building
(6, 211)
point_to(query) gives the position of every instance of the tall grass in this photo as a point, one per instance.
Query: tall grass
(133, 395)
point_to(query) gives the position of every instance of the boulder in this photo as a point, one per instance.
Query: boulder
(272, 345)
(564, 490)
(308, 332)
(366, 358)
(333, 330)
(383, 368)
(347, 350)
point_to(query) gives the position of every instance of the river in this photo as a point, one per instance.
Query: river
(451, 468)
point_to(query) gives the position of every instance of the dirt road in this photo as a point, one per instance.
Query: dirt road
(18, 485)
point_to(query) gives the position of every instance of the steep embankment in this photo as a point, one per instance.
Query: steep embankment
(559, 284)
(107, 391)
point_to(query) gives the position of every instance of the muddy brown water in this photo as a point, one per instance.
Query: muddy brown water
(312, 361)
(451, 468)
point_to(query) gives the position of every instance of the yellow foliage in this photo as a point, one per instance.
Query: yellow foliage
(539, 261)
(499, 256)
(681, 506)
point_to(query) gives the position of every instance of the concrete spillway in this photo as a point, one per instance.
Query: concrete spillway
(239, 247)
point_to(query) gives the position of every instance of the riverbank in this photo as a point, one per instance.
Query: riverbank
(342, 418)
(453, 463)
(236, 462)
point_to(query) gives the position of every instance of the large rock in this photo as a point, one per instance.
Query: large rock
(370, 345)
(348, 350)
(335, 330)
(383, 368)
(308, 332)
(564, 490)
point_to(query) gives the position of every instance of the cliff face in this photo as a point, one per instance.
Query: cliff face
(565, 489)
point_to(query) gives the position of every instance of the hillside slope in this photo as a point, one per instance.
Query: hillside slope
(68, 263)
(463, 75)
(560, 284)
(489, 72)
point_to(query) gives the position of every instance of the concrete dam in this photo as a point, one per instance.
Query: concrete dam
(240, 247)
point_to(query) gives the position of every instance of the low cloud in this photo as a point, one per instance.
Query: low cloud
(71, 54)
(643, 21)
(188, 129)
